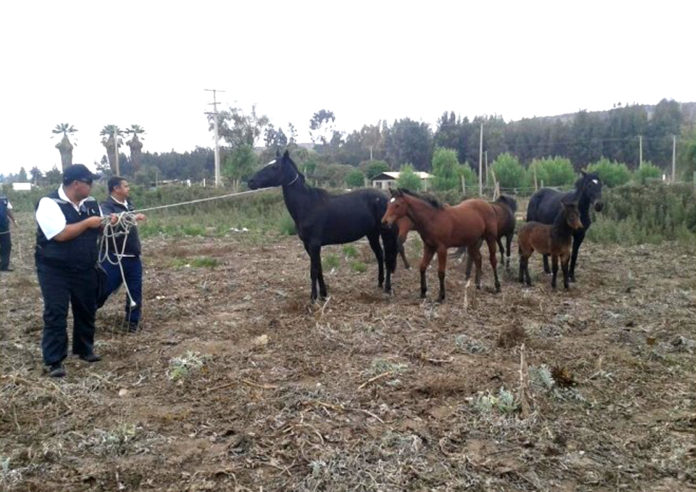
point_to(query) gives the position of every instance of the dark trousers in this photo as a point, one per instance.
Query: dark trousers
(5, 248)
(133, 273)
(61, 288)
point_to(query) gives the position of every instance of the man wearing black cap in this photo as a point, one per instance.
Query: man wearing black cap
(66, 254)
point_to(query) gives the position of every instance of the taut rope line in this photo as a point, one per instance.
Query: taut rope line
(200, 200)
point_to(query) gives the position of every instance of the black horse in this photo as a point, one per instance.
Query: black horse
(545, 204)
(321, 218)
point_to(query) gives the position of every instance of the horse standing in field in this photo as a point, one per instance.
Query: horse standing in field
(404, 225)
(551, 240)
(321, 218)
(545, 204)
(441, 227)
(505, 208)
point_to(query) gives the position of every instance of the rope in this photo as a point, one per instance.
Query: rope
(199, 200)
(109, 248)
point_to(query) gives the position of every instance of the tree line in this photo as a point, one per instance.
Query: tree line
(625, 134)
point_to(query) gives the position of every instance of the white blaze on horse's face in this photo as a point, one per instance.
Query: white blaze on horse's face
(392, 200)
(595, 181)
(270, 163)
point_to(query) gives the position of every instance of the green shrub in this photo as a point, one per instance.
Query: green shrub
(375, 168)
(611, 173)
(355, 179)
(556, 171)
(349, 251)
(508, 171)
(445, 165)
(358, 266)
(408, 178)
(648, 171)
(470, 177)
(330, 261)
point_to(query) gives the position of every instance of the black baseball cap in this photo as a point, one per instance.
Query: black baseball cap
(78, 172)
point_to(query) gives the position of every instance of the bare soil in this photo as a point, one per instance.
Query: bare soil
(237, 382)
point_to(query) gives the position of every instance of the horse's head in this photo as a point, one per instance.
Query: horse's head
(279, 172)
(590, 186)
(396, 208)
(571, 213)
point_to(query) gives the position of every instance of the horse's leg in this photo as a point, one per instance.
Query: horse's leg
(474, 253)
(428, 253)
(546, 264)
(522, 260)
(564, 265)
(527, 278)
(373, 238)
(509, 246)
(494, 260)
(502, 250)
(314, 253)
(554, 261)
(441, 267)
(402, 252)
(578, 238)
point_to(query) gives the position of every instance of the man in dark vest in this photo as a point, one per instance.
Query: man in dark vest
(5, 239)
(127, 254)
(68, 220)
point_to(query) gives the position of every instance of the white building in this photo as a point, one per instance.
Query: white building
(387, 180)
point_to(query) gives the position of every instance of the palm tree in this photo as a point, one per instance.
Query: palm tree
(135, 146)
(64, 146)
(112, 141)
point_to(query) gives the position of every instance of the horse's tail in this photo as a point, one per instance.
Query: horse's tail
(390, 238)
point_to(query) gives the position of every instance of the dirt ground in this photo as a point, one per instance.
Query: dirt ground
(237, 382)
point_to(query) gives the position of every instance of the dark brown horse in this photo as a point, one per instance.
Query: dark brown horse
(554, 240)
(404, 224)
(441, 227)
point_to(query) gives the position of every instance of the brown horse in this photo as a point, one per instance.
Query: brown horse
(404, 224)
(441, 227)
(551, 240)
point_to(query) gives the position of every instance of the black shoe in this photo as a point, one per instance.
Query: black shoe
(91, 357)
(56, 370)
(132, 327)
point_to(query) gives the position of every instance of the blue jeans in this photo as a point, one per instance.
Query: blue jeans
(133, 273)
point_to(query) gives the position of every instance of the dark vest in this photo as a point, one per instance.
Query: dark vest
(111, 206)
(77, 254)
(4, 222)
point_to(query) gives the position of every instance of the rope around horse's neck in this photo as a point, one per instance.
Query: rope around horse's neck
(199, 200)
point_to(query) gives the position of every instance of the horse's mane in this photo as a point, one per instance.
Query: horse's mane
(509, 201)
(431, 200)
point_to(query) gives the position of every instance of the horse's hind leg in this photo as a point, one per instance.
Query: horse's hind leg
(554, 261)
(441, 268)
(379, 254)
(474, 255)
(315, 272)
(402, 253)
(546, 264)
(494, 261)
(502, 250)
(508, 241)
(564, 265)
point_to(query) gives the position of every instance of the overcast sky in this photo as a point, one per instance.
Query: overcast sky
(92, 63)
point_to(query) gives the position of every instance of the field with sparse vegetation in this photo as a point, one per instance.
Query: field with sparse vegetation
(237, 382)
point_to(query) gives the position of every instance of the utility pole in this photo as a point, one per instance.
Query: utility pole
(481, 161)
(485, 165)
(674, 159)
(640, 151)
(217, 135)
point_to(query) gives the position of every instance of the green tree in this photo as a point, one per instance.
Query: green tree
(611, 173)
(408, 178)
(470, 178)
(355, 179)
(237, 128)
(508, 171)
(239, 164)
(409, 141)
(22, 175)
(647, 172)
(445, 167)
(556, 171)
(375, 168)
(54, 176)
(686, 159)
(321, 126)
(64, 146)
(36, 175)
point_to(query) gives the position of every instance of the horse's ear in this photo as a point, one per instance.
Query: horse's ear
(583, 172)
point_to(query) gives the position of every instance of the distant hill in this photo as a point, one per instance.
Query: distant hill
(688, 110)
